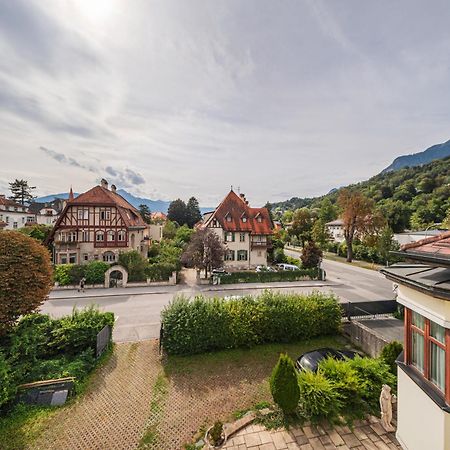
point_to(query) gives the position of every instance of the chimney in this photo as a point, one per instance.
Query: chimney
(242, 197)
(104, 183)
(113, 188)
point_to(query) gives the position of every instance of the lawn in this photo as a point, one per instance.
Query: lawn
(201, 389)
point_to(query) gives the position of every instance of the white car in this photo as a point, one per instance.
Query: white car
(285, 267)
(265, 269)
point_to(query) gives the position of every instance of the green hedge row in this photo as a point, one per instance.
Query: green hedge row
(40, 348)
(267, 277)
(204, 324)
(71, 274)
(160, 271)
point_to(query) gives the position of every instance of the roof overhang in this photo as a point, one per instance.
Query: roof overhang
(433, 259)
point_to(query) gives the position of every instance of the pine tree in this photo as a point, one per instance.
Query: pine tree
(20, 190)
(145, 212)
(193, 212)
(284, 385)
(177, 212)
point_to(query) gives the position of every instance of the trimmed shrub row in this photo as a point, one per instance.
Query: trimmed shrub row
(71, 274)
(267, 277)
(204, 324)
(160, 271)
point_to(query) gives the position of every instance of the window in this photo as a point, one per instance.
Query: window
(83, 214)
(63, 258)
(23, 219)
(228, 218)
(121, 235)
(110, 236)
(85, 257)
(100, 236)
(242, 237)
(426, 349)
(72, 258)
(105, 215)
(85, 236)
(72, 236)
(229, 255)
(242, 255)
(109, 257)
(30, 219)
(7, 219)
(229, 237)
(259, 219)
(244, 219)
(15, 225)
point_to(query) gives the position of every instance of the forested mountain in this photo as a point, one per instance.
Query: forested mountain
(433, 153)
(409, 198)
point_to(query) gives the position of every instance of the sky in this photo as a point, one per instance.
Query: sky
(171, 99)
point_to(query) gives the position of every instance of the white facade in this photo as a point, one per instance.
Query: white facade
(47, 216)
(336, 230)
(14, 215)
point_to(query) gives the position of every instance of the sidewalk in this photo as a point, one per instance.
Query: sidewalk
(148, 290)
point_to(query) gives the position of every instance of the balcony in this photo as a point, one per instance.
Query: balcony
(261, 244)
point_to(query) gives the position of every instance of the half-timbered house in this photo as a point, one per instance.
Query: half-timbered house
(98, 225)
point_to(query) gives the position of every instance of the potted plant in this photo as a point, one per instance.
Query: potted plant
(215, 436)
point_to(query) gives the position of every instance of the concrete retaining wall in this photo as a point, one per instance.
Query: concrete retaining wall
(368, 340)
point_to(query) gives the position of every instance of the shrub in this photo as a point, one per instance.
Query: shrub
(94, 272)
(204, 324)
(25, 276)
(311, 255)
(284, 385)
(76, 273)
(216, 433)
(135, 264)
(61, 274)
(160, 271)
(6, 384)
(319, 399)
(279, 256)
(267, 277)
(390, 353)
(373, 373)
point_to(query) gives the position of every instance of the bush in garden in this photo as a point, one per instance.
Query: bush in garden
(135, 264)
(94, 272)
(76, 273)
(284, 385)
(373, 373)
(311, 255)
(390, 353)
(319, 398)
(6, 385)
(61, 274)
(160, 271)
(204, 324)
(25, 277)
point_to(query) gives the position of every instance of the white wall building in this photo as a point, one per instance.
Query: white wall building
(335, 229)
(14, 215)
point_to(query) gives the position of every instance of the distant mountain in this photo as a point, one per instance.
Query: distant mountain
(154, 205)
(438, 151)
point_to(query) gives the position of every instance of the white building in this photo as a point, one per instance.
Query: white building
(245, 231)
(335, 229)
(48, 213)
(423, 288)
(14, 215)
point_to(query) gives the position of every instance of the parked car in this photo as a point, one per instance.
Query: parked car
(220, 271)
(264, 269)
(311, 360)
(284, 266)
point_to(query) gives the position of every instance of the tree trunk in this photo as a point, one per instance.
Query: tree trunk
(349, 250)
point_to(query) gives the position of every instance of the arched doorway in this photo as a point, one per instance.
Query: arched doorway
(116, 276)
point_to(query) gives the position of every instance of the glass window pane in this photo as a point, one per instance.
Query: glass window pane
(417, 350)
(437, 366)
(437, 332)
(418, 320)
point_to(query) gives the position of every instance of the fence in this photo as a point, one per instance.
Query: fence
(364, 310)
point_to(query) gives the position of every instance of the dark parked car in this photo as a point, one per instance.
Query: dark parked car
(220, 271)
(311, 360)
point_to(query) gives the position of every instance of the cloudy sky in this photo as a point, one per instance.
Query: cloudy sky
(178, 98)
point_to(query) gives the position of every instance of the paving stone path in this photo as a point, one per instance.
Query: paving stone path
(114, 412)
(366, 435)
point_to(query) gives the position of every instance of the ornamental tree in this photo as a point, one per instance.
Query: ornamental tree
(284, 385)
(25, 276)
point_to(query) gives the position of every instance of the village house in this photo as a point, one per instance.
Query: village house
(335, 229)
(245, 231)
(423, 288)
(47, 213)
(14, 215)
(98, 225)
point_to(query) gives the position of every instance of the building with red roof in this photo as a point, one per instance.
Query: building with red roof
(245, 231)
(98, 225)
(14, 215)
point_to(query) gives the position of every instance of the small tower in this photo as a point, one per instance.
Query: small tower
(71, 197)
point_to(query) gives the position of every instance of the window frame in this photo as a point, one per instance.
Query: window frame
(428, 340)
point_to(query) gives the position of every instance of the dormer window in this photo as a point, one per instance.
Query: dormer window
(259, 219)
(228, 217)
(244, 219)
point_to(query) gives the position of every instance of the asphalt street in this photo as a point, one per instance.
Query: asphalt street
(138, 310)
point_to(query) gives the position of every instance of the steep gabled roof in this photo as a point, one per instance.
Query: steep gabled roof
(236, 208)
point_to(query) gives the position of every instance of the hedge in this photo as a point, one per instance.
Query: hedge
(267, 277)
(71, 274)
(160, 271)
(204, 324)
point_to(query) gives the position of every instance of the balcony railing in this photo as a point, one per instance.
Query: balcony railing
(261, 244)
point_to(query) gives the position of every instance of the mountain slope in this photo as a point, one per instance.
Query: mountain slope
(438, 151)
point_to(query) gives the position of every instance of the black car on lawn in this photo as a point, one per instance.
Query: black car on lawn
(311, 360)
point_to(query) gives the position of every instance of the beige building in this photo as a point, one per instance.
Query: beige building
(14, 215)
(245, 231)
(98, 225)
(423, 288)
(335, 229)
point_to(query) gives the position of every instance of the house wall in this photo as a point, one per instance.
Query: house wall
(155, 231)
(421, 424)
(336, 232)
(15, 217)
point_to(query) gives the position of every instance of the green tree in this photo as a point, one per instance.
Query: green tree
(284, 385)
(327, 211)
(320, 233)
(169, 230)
(178, 212)
(193, 212)
(385, 244)
(39, 232)
(25, 276)
(311, 255)
(301, 225)
(135, 264)
(21, 191)
(145, 213)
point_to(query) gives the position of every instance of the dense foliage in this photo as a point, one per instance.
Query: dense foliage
(184, 214)
(40, 348)
(390, 353)
(39, 232)
(410, 198)
(267, 277)
(135, 264)
(284, 385)
(25, 276)
(71, 274)
(203, 324)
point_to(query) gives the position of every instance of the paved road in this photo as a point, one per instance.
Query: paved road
(138, 309)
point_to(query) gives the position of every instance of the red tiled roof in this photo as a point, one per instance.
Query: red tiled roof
(7, 202)
(158, 215)
(237, 208)
(436, 245)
